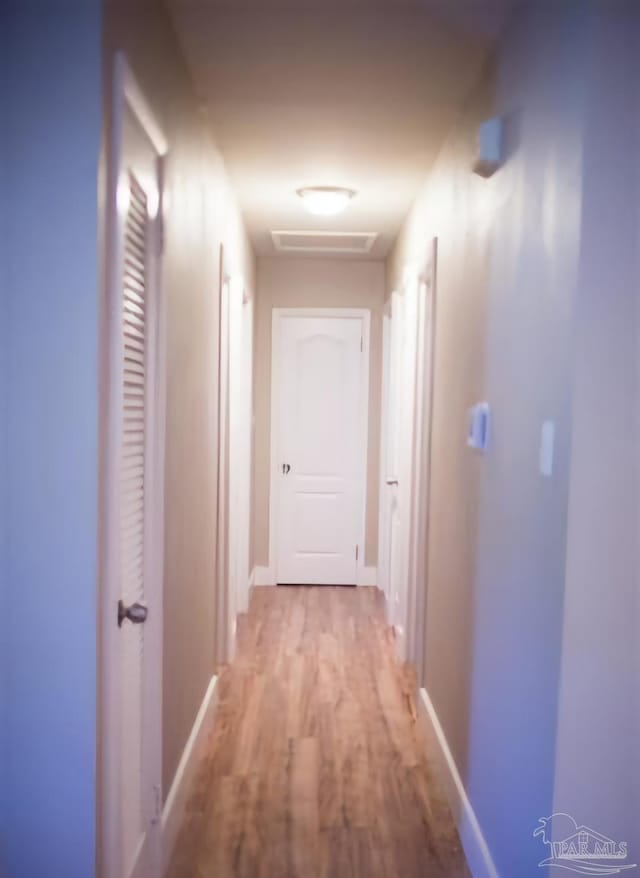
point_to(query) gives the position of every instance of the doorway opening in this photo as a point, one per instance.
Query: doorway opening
(405, 473)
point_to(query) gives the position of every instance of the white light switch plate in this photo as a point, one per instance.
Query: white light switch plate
(479, 427)
(547, 441)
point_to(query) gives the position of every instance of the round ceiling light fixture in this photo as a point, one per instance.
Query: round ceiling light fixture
(326, 200)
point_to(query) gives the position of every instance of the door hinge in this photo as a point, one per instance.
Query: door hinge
(357, 552)
(361, 344)
(157, 805)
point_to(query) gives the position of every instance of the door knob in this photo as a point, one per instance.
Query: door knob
(136, 613)
(286, 469)
(392, 481)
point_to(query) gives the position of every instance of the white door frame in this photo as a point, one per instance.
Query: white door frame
(280, 314)
(422, 443)
(224, 629)
(128, 96)
(406, 307)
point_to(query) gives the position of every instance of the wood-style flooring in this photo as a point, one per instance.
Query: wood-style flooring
(315, 767)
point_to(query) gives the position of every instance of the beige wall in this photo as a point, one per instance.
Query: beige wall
(202, 214)
(459, 209)
(313, 283)
(456, 207)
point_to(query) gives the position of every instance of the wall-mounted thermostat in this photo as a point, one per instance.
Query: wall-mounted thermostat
(479, 426)
(489, 155)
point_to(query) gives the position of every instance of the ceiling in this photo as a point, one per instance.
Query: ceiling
(356, 93)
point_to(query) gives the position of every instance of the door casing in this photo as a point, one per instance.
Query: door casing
(225, 607)
(280, 314)
(421, 500)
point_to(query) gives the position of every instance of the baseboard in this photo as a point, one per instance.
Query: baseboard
(368, 576)
(401, 643)
(385, 604)
(264, 576)
(474, 843)
(174, 809)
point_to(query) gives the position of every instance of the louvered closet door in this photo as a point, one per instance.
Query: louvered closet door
(138, 195)
(132, 509)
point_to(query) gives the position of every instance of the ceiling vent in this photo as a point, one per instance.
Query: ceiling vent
(324, 242)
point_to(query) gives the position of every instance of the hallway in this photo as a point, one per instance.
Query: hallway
(314, 766)
(319, 438)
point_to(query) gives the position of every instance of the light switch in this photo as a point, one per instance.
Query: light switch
(547, 439)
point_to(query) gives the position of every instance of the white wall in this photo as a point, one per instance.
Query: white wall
(313, 283)
(598, 732)
(51, 419)
(532, 611)
(3, 429)
(521, 540)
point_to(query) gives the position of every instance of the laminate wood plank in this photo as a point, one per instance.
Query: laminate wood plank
(303, 804)
(316, 767)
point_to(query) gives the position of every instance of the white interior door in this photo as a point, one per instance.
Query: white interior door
(384, 518)
(319, 384)
(394, 469)
(134, 497)
(406, 444)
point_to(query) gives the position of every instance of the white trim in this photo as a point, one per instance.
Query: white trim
(127, 87)
(240, 407)
(473, 841)
(421, 468)
(174, 809)
(264, 576)
(127, 94)
(225, 614)
(368, 576)
(363, 314)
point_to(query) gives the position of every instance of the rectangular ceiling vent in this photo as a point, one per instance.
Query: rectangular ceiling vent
(324, 242)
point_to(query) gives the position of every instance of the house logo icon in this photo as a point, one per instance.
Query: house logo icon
(579, 848)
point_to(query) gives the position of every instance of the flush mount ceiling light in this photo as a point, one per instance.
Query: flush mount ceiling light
(326, 200)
